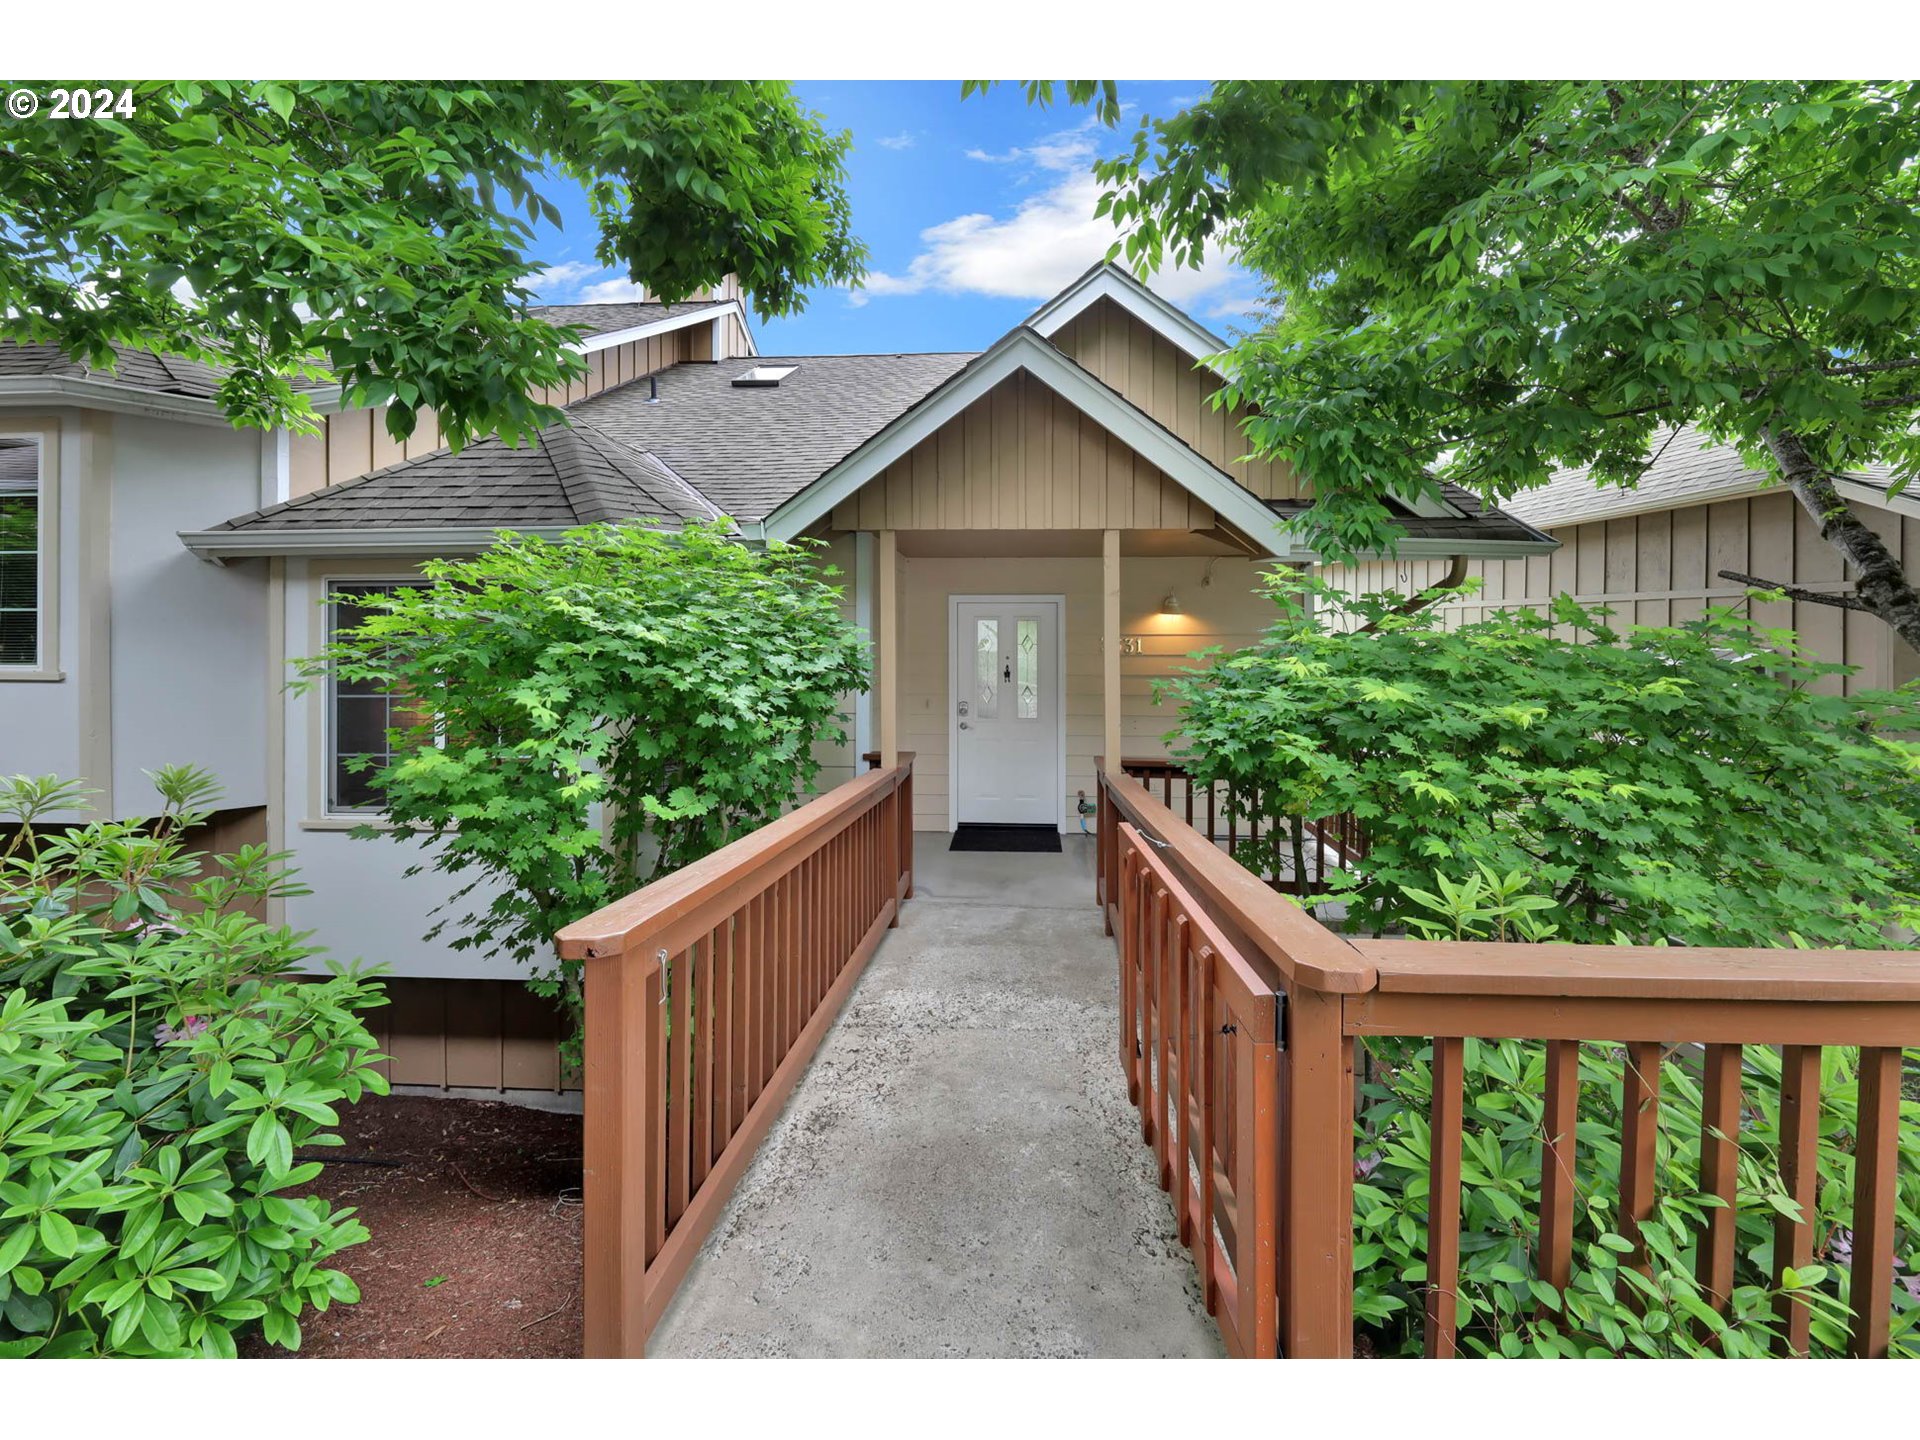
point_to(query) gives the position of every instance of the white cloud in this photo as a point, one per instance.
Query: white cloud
(1064, 150)
(614, 290)
(1035, 252)
(905, 140)
(557, 281)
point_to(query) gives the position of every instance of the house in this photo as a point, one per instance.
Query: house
(1655, 554)
(1031, 535)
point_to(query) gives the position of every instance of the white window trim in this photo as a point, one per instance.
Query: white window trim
(46, 665)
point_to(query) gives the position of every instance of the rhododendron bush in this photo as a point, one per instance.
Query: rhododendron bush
(162, 1071)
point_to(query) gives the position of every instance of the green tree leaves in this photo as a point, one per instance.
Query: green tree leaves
(381, 230)
(1671, 785)
(598, 711)
(1488, 280)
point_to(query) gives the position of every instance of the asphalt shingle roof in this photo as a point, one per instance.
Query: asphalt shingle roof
(750, 449)
(620, 315)
(1688, 470)
(1478, 520)
(135, 369)
(567, 477)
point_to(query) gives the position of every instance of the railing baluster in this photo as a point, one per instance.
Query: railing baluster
(1876, 1179)
(1557, 1160)
(1207, 1037)
(1260, 1205)
(1639, 1134)
(1180, 1088)
(702, 1115)
(1152, 1066)
(1800, 1175)
(723, 1033)
(1128, 886)
(1167, 1007)
(679, 1086)
(1719, 1172)
(1443, 1198)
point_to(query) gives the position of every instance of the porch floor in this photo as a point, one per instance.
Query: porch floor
(959, 1171)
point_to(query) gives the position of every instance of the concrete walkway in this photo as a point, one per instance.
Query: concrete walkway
(959, 1172)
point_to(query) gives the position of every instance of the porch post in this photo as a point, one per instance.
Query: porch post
(1110, 646)
(889, 651)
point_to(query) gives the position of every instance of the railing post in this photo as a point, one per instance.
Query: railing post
(1316, 1221)
(621, 1186)
(906, 827)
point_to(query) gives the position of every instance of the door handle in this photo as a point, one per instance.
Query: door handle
(965, 726)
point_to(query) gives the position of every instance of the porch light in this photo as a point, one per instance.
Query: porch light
(1170, 605)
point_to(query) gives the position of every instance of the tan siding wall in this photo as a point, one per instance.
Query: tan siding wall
(353, 442)
(1158, 377)
(1663, 568)
(1021, 458)
(1229, 612)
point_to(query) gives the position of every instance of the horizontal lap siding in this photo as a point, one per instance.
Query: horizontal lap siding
(1662, 568)
(1163, 381)
(1021, 458)
(1230, 612)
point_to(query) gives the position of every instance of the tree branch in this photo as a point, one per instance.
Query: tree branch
(1816, 597)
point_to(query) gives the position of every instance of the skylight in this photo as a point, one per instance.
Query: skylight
(763, 376)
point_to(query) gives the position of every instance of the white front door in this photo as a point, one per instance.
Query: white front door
(1006, 689)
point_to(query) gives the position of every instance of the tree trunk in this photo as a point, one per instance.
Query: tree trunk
(1878, 575)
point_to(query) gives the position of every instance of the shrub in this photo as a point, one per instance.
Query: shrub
(1608, 1308)
(160, 1071)
(596, 711)
(1676, 784)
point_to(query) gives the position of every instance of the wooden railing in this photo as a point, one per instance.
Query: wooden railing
(1194, 926)
(706, 994)
(1294, 856)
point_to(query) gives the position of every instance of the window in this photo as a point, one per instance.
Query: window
(21, 578)
(1026, 651)
(360, 715)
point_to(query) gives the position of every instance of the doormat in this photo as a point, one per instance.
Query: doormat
(1018, 839)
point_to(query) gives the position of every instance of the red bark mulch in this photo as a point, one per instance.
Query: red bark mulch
(475, 1248)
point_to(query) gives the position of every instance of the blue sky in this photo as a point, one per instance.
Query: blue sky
(974, 212)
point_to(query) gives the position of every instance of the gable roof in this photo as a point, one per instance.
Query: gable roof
(568, 476)
(1024, 349)
(188, 386)
(606, 319)
(1108, 281)
(1688, 469)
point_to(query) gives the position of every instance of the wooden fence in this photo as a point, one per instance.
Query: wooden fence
(1264, 1131)
(706, 994)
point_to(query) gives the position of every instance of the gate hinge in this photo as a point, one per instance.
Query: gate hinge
(1279, 1020)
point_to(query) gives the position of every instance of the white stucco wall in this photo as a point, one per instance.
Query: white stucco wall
(40, 718)
(364, 905)
(189, 638)
(160, 656)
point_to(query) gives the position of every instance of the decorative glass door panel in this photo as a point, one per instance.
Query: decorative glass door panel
(1006, 703)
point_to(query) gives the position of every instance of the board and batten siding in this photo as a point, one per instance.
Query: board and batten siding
(350, 443)
(1162, 380)
(1662, 567)
(1021, 458)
